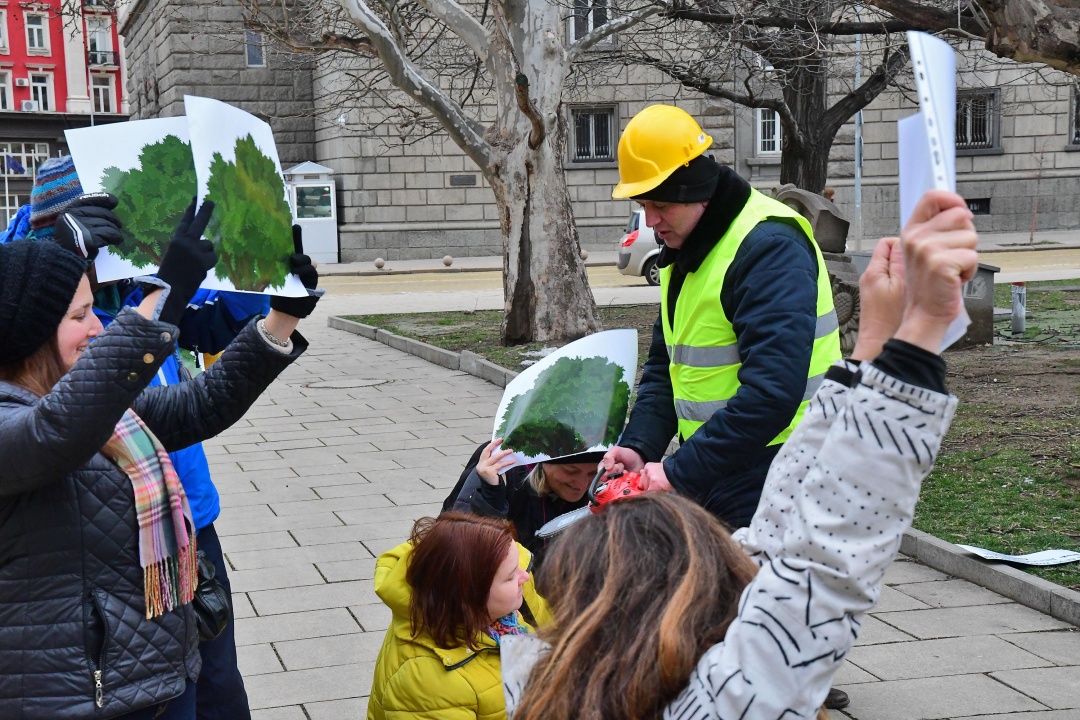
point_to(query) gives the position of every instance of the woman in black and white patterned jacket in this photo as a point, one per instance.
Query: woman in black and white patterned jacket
(657, 612)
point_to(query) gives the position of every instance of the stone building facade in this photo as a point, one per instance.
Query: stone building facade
(194, 47)
(401, 197)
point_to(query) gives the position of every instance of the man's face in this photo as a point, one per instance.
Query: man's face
(672, 222)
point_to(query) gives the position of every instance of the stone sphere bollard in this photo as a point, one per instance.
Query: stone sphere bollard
(379, 263)
(584, 255)
(447, 260)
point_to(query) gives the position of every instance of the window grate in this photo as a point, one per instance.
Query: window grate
(976, 115)
(593, 140)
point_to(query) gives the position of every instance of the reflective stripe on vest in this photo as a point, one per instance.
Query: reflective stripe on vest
(702, 347)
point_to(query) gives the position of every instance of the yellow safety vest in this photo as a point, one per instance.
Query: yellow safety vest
(702, 347)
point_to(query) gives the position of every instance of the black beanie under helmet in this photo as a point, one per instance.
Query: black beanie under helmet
(37, 283)
(690, 183)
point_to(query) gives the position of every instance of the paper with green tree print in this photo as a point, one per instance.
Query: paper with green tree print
(574, 400)
(237, 166)
(147, 165)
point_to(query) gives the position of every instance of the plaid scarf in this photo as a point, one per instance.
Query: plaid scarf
(166, 532)
(509, 624)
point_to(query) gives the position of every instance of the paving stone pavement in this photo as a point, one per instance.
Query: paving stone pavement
(356, 440)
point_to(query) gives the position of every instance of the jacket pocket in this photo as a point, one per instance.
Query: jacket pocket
(96, 630)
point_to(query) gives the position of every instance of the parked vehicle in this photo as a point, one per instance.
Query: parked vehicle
(638, 250)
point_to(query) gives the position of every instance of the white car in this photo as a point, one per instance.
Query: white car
(638, 250)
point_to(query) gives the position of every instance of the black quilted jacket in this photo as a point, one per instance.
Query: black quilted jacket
(74, 638)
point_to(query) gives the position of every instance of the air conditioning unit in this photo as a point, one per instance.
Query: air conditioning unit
(22, 82)
(30, 106)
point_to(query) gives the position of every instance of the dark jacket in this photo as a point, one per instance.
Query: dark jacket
(770, 297)
(71, 585)
(515, 500)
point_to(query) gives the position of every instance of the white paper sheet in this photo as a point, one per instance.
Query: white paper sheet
(1044, 557)
(927, 140)
(600, 401)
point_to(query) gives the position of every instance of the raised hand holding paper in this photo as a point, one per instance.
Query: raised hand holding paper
(574, 400)
(927, 140)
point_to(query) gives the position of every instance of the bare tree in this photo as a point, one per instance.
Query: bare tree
(433, 54)
(795, 57)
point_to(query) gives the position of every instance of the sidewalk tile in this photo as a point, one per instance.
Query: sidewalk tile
(875, 631)
(291, 712)
(894, 601)
(324, 652)
(951, 656)
(934, 698)
(343, 570)
(850, 674)
(910, 571)
(351, 709)
(317, 505)
(226, 525)
(312, 624)
(979, 620)
(1044, 715)
(951, 593)
(1057, 687)
(365, 487)
(312, 597)
(281, 576)
(292, 556)
(304, 686)
(257, 659)
(265, 497)
(1061, 647)
(373, 618)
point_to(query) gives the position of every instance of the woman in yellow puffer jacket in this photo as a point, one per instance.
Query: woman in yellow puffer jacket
(455, 588)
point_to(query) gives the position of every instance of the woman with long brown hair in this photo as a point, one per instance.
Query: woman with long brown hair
(456, 589)
(98, 552)
(660, 613)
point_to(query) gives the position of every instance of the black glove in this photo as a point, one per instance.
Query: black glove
(187, 260)
(300, 266)
(88, 224)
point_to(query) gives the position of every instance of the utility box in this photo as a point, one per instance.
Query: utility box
(313, 198)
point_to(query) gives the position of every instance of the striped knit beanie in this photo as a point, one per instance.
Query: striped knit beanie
(37, 283)
(55, 186)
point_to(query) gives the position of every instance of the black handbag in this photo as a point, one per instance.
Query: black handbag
(211, 602)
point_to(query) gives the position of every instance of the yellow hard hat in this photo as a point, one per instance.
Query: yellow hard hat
(656, 142)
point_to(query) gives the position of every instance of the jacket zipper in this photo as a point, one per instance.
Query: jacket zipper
(97, 669)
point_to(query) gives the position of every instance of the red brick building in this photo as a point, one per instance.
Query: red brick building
(57, 71)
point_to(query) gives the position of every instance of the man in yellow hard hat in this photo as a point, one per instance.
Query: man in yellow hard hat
(746, 328)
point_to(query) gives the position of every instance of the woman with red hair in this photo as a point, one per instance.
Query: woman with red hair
(458, 586)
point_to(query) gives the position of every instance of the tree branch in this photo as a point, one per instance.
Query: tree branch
(521, 92)
(608, 29)
(860, 97)
(881, 27)
(463, 24)
(928, 18)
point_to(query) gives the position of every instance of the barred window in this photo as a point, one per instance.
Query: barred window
(593, 134)
(769, 139)
(976, 120)
(1074, 117)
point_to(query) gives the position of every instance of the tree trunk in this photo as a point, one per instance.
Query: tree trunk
(804, 157)
(546, 292)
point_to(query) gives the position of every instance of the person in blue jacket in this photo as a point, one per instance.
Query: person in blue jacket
(211, 320)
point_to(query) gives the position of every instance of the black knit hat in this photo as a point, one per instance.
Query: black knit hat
(37, 283)
(693, 182)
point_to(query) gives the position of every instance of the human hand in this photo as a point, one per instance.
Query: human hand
(88, 224)
(654, 478)
(187, 260)
(304, 268)
(493, 462)
(939, 257)
(881, 299)
(620, 459)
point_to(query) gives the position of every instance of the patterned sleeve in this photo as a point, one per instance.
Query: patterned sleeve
(844, 496)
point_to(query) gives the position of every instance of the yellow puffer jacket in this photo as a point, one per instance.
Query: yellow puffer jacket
(415, 679)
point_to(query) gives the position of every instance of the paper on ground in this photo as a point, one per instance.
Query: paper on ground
(927, 140)
(1045, 557)
(573, 400)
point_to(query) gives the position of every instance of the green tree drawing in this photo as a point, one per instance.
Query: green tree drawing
(153, 197)
(574, 404)
(251, 218)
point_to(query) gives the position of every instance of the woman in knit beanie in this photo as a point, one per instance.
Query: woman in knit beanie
(97, 543)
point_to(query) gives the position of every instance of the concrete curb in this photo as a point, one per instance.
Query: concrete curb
(1036, 593)
(1015, 584)
(465, 361)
